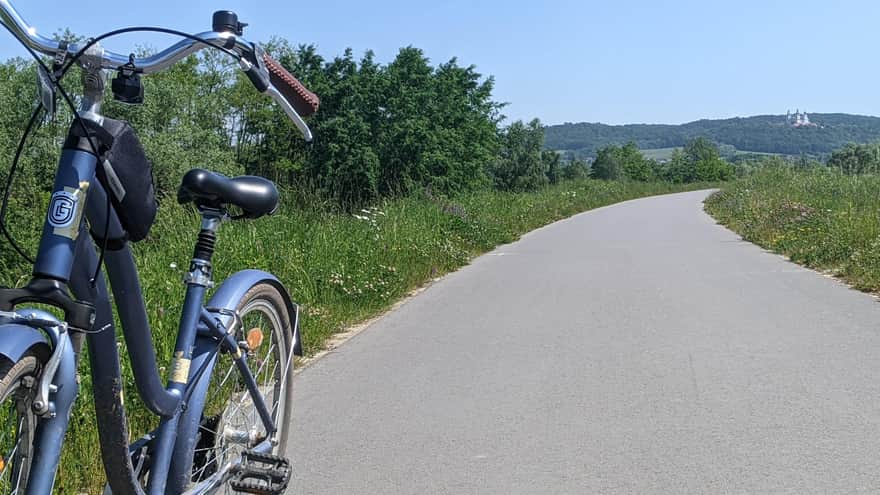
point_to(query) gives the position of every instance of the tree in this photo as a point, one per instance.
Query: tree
(635, 166)
(575, 170)
(607, 164)
(703, 156)
(381, 130)
(764, 133)
(552, 161)
(519, 166)
(621, 162)
(854, 159)
(699, 161)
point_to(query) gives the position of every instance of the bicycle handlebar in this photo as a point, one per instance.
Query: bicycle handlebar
(286, 91)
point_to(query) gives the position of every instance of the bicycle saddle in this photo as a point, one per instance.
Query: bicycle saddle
(255, 196)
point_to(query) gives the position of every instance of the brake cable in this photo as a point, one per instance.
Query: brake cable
(67, 100)
(8, 189)
(56, 78)
(90, 43)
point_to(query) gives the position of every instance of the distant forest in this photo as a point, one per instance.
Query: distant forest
(762, 134)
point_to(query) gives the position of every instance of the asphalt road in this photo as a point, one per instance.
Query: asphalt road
(638, 348)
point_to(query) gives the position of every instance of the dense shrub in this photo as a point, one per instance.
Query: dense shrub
(699, 161)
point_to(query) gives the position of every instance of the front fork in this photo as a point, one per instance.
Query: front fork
(22, 330)
(50, 431)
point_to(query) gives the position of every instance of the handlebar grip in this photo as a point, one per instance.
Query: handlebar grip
(301, 99)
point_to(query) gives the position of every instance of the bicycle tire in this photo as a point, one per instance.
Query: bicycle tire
(226, 412)
(18, 423)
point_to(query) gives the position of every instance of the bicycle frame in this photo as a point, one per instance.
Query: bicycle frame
(67, 259)
(67, 256)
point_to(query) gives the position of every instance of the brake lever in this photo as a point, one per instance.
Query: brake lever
(259, 77)
(46, 92)
(288, 109)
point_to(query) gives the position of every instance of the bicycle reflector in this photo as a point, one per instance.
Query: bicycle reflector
(254, 338)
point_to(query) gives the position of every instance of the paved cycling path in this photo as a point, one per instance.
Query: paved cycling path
(638, 348)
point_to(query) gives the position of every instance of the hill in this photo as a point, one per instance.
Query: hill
(761, 133)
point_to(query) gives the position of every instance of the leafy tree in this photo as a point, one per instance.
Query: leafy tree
(704, 157)
(575, 170)
(552, 161)
(635, 166)
(621, 162)
(406, 132)
(519, 166)
(381, 130)
(854, 159)
(699, 161)
(607, 164)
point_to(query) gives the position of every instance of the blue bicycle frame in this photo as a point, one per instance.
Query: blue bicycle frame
(67, 259)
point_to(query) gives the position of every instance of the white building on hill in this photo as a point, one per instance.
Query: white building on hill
(798, 119)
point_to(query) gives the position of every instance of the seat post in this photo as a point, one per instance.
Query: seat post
(200, 268)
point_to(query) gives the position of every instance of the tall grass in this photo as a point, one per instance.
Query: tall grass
(818, 218)
(341, 269)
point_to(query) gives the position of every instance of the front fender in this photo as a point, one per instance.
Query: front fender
(16, 339)
(235, 287)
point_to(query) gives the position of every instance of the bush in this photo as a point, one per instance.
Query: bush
(700, 161)
(622, 162)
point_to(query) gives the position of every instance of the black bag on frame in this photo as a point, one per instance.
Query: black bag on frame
(127, 175)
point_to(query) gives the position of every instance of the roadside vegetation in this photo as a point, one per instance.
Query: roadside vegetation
(824, 216)
(699, 161)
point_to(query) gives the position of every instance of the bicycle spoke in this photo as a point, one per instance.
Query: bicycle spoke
(264, 363)
(198, 474)
(228, 374)
(9, 458)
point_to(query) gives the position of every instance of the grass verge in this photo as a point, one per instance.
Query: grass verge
(818, 218)
(341, 269)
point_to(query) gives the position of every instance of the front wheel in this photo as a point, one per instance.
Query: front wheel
(18, 388)
(230, 423)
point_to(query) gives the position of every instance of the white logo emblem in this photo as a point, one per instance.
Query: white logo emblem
(62, 210)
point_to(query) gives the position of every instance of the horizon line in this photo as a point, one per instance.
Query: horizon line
(705, 119)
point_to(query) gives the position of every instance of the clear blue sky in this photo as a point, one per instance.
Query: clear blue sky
(621, 61)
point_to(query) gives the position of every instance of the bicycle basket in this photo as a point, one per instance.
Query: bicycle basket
(127, 175)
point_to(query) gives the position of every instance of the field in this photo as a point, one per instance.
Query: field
(662, 154)
(659, 154)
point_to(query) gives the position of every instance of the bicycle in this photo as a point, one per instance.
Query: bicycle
(225, 409)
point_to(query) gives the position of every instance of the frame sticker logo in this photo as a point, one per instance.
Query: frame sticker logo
(63, 209)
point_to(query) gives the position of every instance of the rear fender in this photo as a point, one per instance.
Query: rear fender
(235, 287)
